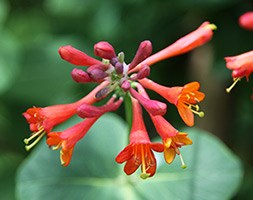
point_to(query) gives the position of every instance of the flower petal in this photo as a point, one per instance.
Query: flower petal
(186, 114)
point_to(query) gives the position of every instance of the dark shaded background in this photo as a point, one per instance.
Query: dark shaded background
(32, 73)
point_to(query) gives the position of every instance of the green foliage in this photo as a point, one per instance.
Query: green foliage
(32, 74)
(213, 172)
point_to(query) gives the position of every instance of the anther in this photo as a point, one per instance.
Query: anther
(183, 165)
(233, 84)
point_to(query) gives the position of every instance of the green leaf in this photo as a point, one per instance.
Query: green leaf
(213, 171)
(8, 164)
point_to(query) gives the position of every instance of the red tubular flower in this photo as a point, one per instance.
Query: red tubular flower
(140, 150)
(246, 21)
(43, 120)
(192, 40)
(241, 65)
(76, 57)
(185, 98)
(67, 139)
(87, 110)
(172, 139)
(152, 106)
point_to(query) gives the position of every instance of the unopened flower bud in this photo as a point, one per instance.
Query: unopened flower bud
(103, 93)
(76, 57)
(80, 76)
(97, 74)
(125, 85)
(144, 72)
(119, 67)
(144, 50)
(97, 66)
(88, 111)
(246, 21)
(152, 106)
(104, 50)
(114, 60)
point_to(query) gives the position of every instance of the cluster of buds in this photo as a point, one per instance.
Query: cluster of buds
(241, 65)
(117, 80)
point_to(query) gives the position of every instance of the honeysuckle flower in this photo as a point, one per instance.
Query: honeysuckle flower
(190, 41)
(118, 80)
(140, 150)
(43, 120)
(172, 139)
(246, 21)
(185, 98)
(66, 140)
(241, 65)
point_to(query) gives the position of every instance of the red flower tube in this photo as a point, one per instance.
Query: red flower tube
(140, 150)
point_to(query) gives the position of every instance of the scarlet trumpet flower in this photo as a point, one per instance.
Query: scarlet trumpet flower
(118, 80)
(184, 98)
(43, 120)
(241, 65)
(140, 150)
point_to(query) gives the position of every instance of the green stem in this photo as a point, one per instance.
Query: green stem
(128, 110)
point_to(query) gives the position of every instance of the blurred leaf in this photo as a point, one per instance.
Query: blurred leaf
(4, 9)
(68, 8)
(8, 165)
(9, 67)
(213, 171)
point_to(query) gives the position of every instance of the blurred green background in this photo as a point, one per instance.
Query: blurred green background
(32, 73)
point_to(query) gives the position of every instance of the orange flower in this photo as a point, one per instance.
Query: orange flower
(190, 41)
(140, 150)
(185, 98)
(43, 120)
(67, 139)
(172, 139)
(241, 65)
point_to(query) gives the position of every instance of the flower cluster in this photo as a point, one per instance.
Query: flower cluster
(241, 65)
(116, 80)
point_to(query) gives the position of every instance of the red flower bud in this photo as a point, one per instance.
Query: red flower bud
(97, 75)
(144, 51)
(76, 57)
(104, 50)
(88, 111)
(144, 72)
(246, 21)
(80, 76)
(152, 106)
(125, 85)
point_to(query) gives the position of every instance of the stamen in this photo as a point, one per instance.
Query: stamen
(35, 134)
(143, 175)
(183, 166)
(233, 84)
(28, 147)
(200, 114)
(188, 96)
